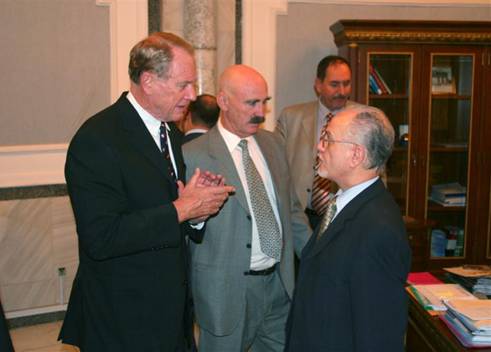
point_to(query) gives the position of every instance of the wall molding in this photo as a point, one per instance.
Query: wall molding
(35, 311)
(423, 3)
(128, 24)
(31, 165)
(259, 42)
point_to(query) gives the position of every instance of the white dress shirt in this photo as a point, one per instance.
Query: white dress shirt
(195, 130)
(153, 126)
(344, 197)
(259, 260)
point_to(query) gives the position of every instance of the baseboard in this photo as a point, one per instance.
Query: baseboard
(35, 316)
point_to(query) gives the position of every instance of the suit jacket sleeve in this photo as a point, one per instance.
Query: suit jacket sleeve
(379, 271)
(281, 128)
(109, 223)
(300, 227)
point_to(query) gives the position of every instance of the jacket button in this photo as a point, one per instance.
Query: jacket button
(308, 190)
(248, 245)
(249, 217)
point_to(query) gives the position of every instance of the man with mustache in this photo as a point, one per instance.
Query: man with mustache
(242, 272)
(299, 126)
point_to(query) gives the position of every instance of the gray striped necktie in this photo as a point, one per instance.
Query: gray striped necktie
(267, 227)
(321, 186)
(328, 215)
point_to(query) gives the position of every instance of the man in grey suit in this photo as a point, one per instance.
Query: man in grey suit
(299, 126)
(242, 279)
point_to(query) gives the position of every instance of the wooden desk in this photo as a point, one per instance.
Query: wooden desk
(427, 333)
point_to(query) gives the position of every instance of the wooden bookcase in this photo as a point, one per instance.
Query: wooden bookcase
(433, 80)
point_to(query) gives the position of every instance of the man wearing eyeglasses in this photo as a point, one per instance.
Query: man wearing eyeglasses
(299, 127)
(350, 290)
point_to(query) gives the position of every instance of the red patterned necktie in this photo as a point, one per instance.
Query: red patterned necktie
(321, 186)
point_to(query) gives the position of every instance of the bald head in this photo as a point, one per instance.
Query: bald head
(234, 77)
(242, 97)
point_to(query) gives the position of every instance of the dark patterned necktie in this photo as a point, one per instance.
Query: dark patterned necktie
(328, 215)
(267, 227)
(321, 186)
(165, 150)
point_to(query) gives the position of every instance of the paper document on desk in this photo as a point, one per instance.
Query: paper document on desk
(432, 296)
(479, 309)
(470, 270)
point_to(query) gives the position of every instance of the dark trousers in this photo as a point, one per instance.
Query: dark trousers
(5, 341)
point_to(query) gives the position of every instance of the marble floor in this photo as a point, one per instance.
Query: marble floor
(39, 338)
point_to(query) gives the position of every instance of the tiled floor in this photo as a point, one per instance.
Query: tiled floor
(39, 338)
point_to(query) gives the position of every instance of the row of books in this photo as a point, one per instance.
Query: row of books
(376, 83)
(447, 242)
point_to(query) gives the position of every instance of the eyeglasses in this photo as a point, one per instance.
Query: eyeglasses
(326, 140)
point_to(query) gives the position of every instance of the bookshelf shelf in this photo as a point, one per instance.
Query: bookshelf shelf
(435, 207)
(451, 96)
(439, 77)
(388, 96)
(448, 149)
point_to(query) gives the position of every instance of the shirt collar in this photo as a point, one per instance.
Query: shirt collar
(323, 110)
(151, 122)
(196, 130)
(231, 140)
(346, 196)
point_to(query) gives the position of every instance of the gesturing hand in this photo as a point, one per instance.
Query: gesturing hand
(202, 196)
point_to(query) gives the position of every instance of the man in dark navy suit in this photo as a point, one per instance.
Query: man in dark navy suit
(202, 115)
(125, 173)
(350, 291)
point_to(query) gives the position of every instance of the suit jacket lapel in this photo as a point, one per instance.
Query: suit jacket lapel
(226, 166)
(271, 161)
(337, 225)
(309, 124)
(141, 139)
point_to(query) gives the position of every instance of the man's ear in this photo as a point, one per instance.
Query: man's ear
(317, 86)
(222, 101)
(146, 81)
(359, 155)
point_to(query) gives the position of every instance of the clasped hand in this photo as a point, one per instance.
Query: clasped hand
(202, 196)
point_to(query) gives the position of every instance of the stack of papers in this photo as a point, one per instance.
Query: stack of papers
(475, 278)
(449, 194)
(432, 297)
(470, 321)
